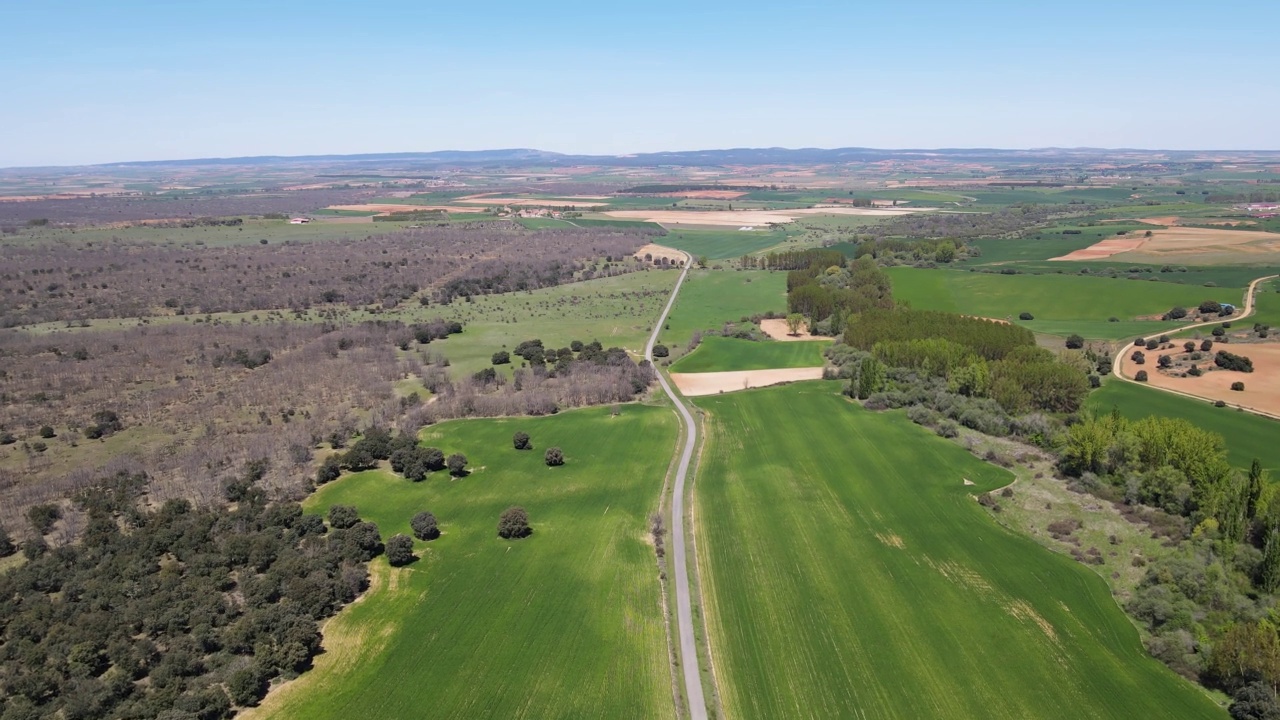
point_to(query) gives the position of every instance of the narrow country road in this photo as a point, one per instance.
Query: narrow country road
(1248, 310)
(684, 606)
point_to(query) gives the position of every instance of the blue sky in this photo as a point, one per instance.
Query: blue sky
(133, 80)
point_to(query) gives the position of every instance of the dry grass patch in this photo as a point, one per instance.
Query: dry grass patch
(712, 383)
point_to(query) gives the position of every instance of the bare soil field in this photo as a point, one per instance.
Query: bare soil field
(534, 202)
(1103, 249)
(705, 194)
(660, 251)
(739, 218)
(695, 384)
(777, 329)
(1261, 387)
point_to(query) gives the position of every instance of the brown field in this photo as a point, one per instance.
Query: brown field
(739, 218)
(1261, 387)
(535, 202)
(705, 194)
(777, 329)
(695, 384)
(1104, 249)
(1183, 244)
(660, 251)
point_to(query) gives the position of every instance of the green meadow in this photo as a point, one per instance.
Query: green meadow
(718, 244)
(1248, 436)
(717, 354)
(1060, 304)
(848, 572)
(566, 623)
(710, 298)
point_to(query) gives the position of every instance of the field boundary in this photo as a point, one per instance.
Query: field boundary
(1118, 362)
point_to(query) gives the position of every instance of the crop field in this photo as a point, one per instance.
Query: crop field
(1248, 436)
(1266, 305)
(565, 623)
(1061, 304)
(848, 572)
(710, 298)
(1048, 243)
(722, 244)
(720, 354)
(250, 232)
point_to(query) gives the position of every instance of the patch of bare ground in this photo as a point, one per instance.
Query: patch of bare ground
(776, 328)
(695, 384)
(657, 252)
(1103, 249)
(392, 208)
(740, 218)
(1261, 387)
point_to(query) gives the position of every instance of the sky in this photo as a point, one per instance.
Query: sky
(128, 80)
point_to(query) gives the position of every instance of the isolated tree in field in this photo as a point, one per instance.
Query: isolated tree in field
(1164, 361)
(502, 357)
(1075, 342)
(1237, 386)
(457, 463)
(424, 526)
(661, 351)
(1140, 376)
(1026, 316)
(521, 441)
(343, 516)
(514, 523)
(1189, 346)
(702, 261)
(794, 321)
(400, 550)
(554, 457)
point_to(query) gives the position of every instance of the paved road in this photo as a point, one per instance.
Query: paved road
(684, 606)
(1248, 310)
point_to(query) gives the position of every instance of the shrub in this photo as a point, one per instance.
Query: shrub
(1210, 306)
(1220, 403)
(7, 438)
(400, 550)
(1231, 361)
(514, 523)
(1237, 386)
(1189, 346)
(1177, 313)
(554, 457)
(1218, 332)
(46, 432)
(1075, 342)
(424, 526)
(1138, 357)
(661, 351)
(329, 470)
(1141, 376)
(1152, 344)
(42, 517)
(502, 357)
(521, 441)
(1026, 316)
(1206, 346)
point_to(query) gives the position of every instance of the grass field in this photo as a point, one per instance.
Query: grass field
(1248, 436)
(1266, 305)
(712, 297)
(717, 354)
(848, 572)
(721, 244)
(564, 624)
(1061, 304)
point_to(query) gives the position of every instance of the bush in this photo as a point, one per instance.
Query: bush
(1237, 386)
(514, 523)
(7, 438)
(42, 517)
(661, 351)
(1218, 332)
(1220, 403)
(424, 526)
(1210, 306)
(400, 550)
(1141, 376)
(1026, 316)
(46, 432)
(1206, 346)
(329, 470)
(1231, 361)
(502, 357)
(343, 516)
(521, 441)
(554, 457)
(1177, 313)
(1075, 342)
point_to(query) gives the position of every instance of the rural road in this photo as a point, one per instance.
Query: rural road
(1248, 310)
(684, 606)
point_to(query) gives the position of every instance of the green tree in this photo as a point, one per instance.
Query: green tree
(343, 516)
(329, 470)
(457, 464)
(521, 441)
(400, 550)
(871, 376)
(794, 321)
(424, 526)
(554, 457)
(514, 523)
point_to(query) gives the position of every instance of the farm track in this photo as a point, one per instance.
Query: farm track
(684, 605)
(1117, 362)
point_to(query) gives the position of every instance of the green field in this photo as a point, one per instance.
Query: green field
(1061, 304)
(717, 354)
(567, 623)
(1266, 303)
(1248, 436)
(848, 572)
(721, 244)
(710, 298)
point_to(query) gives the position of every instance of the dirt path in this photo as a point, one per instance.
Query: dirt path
(1117, 365)
(689, 664)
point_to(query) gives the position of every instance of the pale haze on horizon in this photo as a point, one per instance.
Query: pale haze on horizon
(134, 80)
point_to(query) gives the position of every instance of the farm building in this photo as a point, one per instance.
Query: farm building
(299, 221)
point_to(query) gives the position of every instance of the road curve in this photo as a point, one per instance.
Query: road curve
(1248, 310)
(684, 605)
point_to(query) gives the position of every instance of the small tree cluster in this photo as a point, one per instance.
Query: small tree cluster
(554, 457)
(514, 524)
(521, 441)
